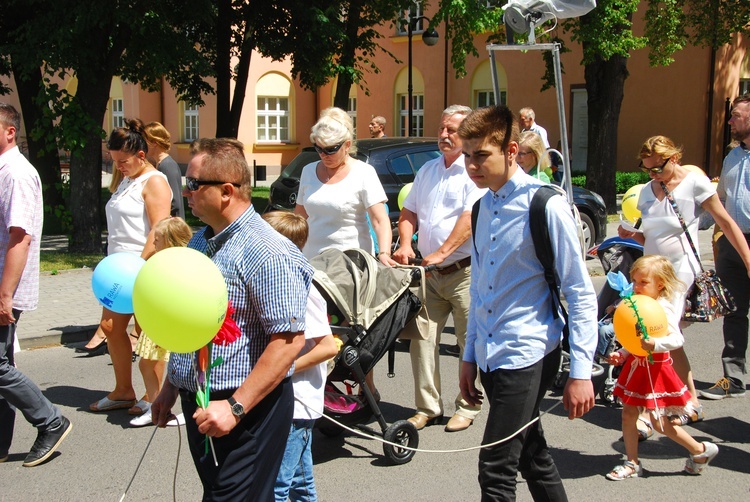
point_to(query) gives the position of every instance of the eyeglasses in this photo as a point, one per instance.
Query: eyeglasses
(654, 170)
(193, 184)
(328, 150)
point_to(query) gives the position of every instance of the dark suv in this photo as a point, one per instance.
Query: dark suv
(397, 160)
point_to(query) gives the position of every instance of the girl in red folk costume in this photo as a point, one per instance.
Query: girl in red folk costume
(650, 382)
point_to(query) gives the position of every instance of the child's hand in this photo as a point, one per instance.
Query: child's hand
(648, 345)
(616, 358)
(609, 309)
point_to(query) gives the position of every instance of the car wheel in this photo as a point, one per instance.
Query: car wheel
(589, 231)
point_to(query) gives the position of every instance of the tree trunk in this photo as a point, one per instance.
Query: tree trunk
(605, 82)
(223, 69)
(43, 156)
(86, 166)
(348, 53)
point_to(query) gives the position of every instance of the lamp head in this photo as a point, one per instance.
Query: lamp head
(430, 37)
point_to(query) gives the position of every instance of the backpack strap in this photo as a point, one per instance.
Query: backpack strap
(474, 218)
(543, 244)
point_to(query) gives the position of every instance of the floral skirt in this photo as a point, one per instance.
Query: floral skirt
(654, 386)
(147, 349)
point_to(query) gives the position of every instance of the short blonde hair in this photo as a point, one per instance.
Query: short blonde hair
(174, 232)
(291, 225)
(661, 269)
(334, 127)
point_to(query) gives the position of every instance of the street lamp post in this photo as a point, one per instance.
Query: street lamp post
(429, 37)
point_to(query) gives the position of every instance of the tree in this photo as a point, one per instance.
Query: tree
(607, 40)
(140, 40)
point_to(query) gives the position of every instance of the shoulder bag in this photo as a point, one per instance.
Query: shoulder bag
(707, 298)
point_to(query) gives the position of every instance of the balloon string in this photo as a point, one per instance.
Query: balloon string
(640, 325)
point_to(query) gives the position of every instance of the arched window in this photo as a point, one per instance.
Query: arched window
(482, 90)
(273, 113)
(417, 99)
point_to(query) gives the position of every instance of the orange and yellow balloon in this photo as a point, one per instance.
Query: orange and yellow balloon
(625, 320)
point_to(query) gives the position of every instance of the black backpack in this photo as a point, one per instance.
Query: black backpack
(542, 244)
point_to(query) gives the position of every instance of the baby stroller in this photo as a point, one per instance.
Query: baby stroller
(368, 306)
(616, 255)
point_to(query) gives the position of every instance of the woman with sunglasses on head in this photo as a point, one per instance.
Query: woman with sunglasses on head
(338, 193)
(141, 199)
(662, 234)
(533, 157)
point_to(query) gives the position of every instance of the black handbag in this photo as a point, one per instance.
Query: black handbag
(707, 298)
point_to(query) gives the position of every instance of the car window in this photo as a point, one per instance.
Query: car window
(402, 167)
(421, 158)
(294, 169)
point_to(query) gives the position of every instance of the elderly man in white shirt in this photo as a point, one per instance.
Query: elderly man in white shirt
(439, 207)
(527, 119)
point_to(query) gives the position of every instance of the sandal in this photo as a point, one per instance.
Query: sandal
(691, 415)
(627, 470)
(710, 451)
(647, 431)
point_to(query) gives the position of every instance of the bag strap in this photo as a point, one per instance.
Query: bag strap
(474, 217)
(668, 194)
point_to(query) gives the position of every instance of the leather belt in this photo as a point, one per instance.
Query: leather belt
(454, 267)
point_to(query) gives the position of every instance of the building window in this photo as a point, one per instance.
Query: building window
(118, 115)
(744, 86)
(487, 98)
(417, 123)
(190, 130)
(414, 12)
(351, 109)
(273, 119)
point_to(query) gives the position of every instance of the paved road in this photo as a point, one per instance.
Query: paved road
(98, 459)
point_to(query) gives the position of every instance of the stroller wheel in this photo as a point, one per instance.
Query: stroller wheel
(403, 433)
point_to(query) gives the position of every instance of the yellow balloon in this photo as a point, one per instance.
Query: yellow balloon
(630, 203)
(180, 299)
(695, 169)
(624, 320)
(403, 193)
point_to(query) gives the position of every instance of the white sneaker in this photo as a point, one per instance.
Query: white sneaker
(142, 420)
(178, 420)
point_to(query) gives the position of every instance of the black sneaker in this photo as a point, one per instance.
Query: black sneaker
(3, 457)
(721, 389)
(46, 443)
(453, 350)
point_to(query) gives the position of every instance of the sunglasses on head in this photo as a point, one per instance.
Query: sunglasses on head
(193, 184)
(655, 170)
(328, 150)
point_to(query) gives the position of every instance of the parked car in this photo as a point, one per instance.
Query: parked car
(397, 160)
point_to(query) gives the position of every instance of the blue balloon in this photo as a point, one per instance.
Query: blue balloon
(113, 281)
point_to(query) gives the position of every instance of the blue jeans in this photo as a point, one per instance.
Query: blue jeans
(295, 480)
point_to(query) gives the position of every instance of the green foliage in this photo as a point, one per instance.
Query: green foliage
(464, 20)
(623, 181)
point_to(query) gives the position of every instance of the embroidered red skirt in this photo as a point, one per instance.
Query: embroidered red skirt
(652, 385)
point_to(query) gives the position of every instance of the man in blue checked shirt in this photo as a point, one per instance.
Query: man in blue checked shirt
(268, 280)
(513, 337)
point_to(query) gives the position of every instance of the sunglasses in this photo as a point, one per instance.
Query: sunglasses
(654, 170)
(193, 184)
(329, 150)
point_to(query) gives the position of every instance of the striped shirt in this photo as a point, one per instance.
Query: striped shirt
(268, 281)
(21, 206)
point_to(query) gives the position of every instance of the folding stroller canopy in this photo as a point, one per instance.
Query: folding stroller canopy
(358, 284)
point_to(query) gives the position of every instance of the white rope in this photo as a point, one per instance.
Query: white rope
(460, 450)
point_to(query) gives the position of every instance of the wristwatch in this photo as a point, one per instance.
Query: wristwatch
(237, 409)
